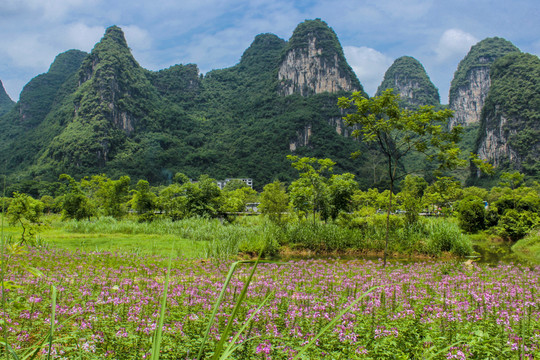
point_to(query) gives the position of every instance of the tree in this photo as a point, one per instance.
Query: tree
(75, 204)
(143, 200)
(412, 192)
(512, 180)
(274, 201)
(443, 192)
(234, 184)
(399, 132)
(186, 198)
(310, 190)
(110, 195)
(341, 189)
(25, 211)
(471, 214)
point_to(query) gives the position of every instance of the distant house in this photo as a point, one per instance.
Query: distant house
(222, 183)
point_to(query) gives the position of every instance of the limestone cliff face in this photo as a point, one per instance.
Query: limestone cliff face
(314, 62)
(494, 145)
(409, 79)
(510, 121)
(471, 82)
(302, 138)
(468, 101)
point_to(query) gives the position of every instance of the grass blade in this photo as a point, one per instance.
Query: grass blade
(156, 344)
(231, 348)
(232, 269)
(53, 316)
(241, 297)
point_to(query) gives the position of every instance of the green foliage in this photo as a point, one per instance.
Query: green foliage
(443, 192)
(110, 195)
(529, 247)
(407, 72)
(511, 180)
(111, 116)
(475, 191)
(5, 101)
(26, 212)
(143, 201)
(235, 201)
(341, 189)
(471, 214)
(234, 184)
(30, 125)
(412, 191)
(514, 225)
(75, 204)
(201, 198)
(398, 132)
(371, 198)
(310, 191)
(274, 201)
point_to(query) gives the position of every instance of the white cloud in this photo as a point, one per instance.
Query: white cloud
(136, 37)
(44, 10)
(369, 65)
(80, 36)
(30, 52)
(454, 43)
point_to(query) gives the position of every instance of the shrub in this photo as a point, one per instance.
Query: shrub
(471, 214)
(444, 235)
(514, 225)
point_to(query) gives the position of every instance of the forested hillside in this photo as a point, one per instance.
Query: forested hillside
(5, 101)
(103, 113)
(106, 114)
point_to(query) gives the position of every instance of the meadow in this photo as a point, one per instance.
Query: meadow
(107, 307)
(107, 277)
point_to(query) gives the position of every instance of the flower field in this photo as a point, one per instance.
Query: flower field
(107, 307)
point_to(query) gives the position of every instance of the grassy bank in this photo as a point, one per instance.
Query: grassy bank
(201, 237)
(529, 247)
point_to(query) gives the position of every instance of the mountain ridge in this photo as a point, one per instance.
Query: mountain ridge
(110, 115)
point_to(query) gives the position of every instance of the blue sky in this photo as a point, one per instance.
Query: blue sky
(214, 33)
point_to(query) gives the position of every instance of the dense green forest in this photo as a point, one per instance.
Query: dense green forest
(5, 101)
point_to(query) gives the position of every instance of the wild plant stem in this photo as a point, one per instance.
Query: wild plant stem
(53, 320)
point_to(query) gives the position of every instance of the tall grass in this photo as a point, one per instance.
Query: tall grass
(222, 240)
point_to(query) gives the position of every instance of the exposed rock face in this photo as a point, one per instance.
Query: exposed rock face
(314, 62)
(510, 121)
(471, 81)
(494, 144)
(341, 128)
(469, 100)
(302, 138)
(409, 79)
